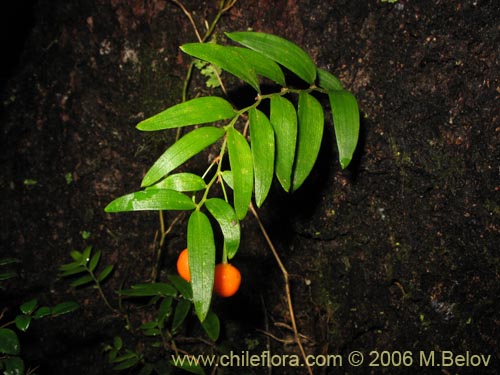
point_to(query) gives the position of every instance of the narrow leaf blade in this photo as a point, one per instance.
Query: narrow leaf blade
(225, 58)
(328, 81)
(65, 308)
(282, 51)
(310, 134)
(94, 260)
(181, 151)
(284, 121)
(228, 222)
(150, 290)
(262, 145)
(151, 199)
(262, 65)
(105, 273)
(81, 281)
(240, 160)
(201, 247)
(195, 111)
(211, 325)
(180, 314)
(345, 114)
(182, 286)
(181, 182)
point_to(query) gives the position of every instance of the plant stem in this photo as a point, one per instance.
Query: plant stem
(101, 292)
(287, 286)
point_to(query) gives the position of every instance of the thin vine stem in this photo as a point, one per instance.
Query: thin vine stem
(287, 286)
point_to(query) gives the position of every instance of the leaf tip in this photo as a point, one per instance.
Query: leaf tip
(344, 162)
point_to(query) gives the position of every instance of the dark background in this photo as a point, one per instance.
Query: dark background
(399, 252)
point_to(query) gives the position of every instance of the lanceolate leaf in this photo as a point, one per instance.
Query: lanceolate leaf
(150, 290)
(181, 182)
(262, 65)
(280, 50)
(201, 245)
(262, 142)
(225, 58)
(181, 151)
(151, 199)
(328, 81)
(180, 314)
(240, 159)
(228, 221)
(194, 111)
(284, 122)
(311, 123)
(345, 114)
(65, 308)
(211, 325)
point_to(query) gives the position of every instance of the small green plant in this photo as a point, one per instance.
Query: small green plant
(169, 304)
(84, 267)
(11, 362)
(284, 143)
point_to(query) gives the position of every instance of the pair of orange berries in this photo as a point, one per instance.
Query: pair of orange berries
(227, 278)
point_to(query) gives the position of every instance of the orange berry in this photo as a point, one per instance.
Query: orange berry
(227, 279)
(183, 265)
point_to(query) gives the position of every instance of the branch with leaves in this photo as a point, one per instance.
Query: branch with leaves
(284, 143)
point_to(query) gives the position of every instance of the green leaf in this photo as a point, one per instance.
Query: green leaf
(150, 290)
(29, 306)
(151, 199)
(86, 255)
(240, 159)
(328, 81)
(311, 124)
(147, 369)
(201, 245)
(262, 142)
(9, 343)
(7, 275)
(181, 182)
(195, 111)
(65, 308)
(12, 366)
(284, 121)
(6, 261)
(345, 114)
(182, 286)
(188, 366)
(224, 57)
(180, 314)
(71, 269)
(76, 255)
(165, 309)
(262, 65)
(126, 363)
(42, 312)
(228, 222)
(117, 342)
(105, 273)
(81, 281)
(181, 151)
(211, 325)
(280, 50)
(94, 260)
(23, 322)
(227, 176)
